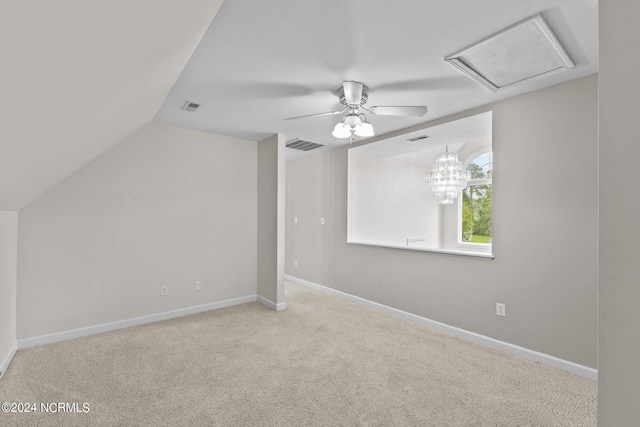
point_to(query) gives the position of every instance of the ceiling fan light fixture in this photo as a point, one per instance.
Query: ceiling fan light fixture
(341, 131)
(365, 129)
(353, 95)
(352, 121)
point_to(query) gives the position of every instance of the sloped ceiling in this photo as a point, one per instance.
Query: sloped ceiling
(78, 76)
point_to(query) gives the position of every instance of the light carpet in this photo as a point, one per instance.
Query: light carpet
(323, 361)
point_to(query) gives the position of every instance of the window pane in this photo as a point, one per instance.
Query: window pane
(476, 214)
(482, 166)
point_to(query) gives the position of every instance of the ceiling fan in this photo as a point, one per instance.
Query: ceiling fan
(353, 95)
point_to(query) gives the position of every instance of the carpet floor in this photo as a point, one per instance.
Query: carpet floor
(323, 361)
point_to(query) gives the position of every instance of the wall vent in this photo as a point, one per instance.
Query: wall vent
(301, 144)
(418, 138)
(190, 106)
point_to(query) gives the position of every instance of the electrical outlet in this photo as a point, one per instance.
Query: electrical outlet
(295, 220)
(198, 286)
(501, 309)
(164, 290)
(323, 221)
(295, 264)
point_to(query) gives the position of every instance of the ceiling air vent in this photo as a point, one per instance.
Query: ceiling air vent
(521, 52)
(190, 106)
(418, 138)
(301, 144)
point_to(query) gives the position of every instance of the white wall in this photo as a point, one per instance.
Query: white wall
(544, 227)
(619, 285)
(8, 277)
(390, 202)
(166, 207)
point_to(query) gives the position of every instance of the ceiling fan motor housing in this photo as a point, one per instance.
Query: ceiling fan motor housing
(363, 98)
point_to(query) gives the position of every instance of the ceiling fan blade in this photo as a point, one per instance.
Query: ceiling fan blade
(415, 111)
(352, 92)
(329, 113)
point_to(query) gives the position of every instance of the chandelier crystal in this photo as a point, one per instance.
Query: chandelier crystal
(447, 178)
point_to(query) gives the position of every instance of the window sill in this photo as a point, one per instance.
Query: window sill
(455, 253)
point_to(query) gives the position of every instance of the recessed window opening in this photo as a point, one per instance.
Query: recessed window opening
(390, 204)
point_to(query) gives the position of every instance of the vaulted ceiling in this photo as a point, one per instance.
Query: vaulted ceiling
(79, 76)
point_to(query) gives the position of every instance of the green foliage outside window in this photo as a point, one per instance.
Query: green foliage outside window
(476, 206)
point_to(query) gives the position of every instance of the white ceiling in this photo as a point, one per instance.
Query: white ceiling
(80, 76)
(261, 62)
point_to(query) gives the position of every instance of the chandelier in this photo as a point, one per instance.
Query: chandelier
(447, 178)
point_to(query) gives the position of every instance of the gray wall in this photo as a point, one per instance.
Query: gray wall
(619, 303)
(168, 206)
(271, 221)
(545, 232)
(8, 277)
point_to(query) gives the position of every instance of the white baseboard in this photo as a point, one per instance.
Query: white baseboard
(136, 321)
(272, 305)
(536, 356)
(7, 360)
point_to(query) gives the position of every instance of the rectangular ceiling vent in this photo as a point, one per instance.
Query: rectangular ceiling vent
(190, 106)
(301, 144)
(521, 52)
(418, 138)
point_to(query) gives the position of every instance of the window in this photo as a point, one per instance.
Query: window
(475, 209)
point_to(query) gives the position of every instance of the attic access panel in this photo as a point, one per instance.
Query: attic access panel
(521, 52)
